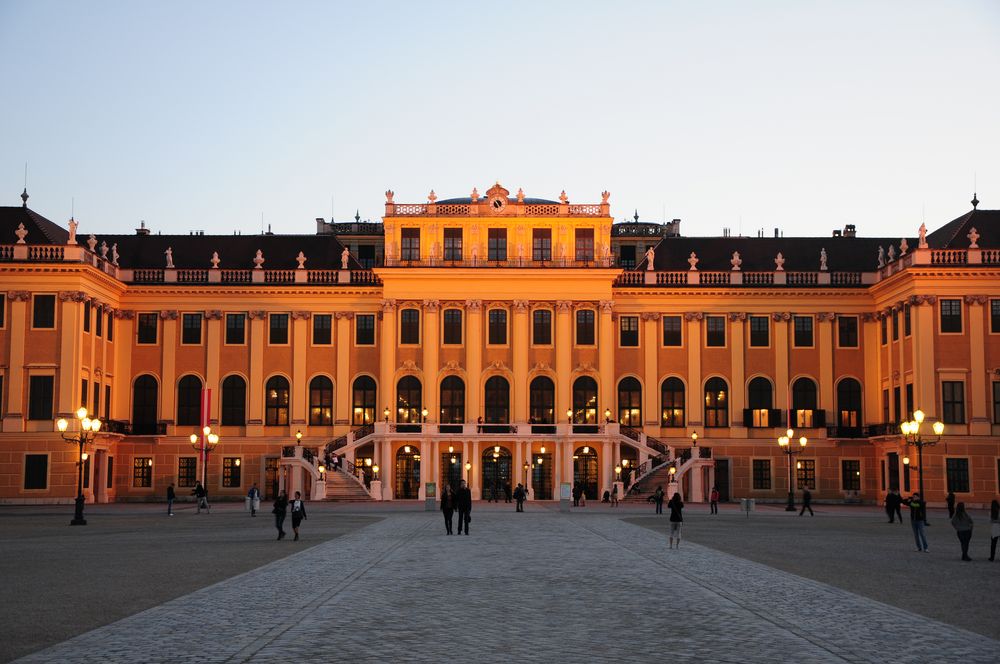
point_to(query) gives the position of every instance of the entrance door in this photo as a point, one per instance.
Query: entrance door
(722, 479)
(271, 478)
(496, 473)
(585, 471)
(451, 469)
(893, 471)
(407, 473)
(541, 476)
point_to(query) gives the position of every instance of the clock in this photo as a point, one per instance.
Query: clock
(497, 203)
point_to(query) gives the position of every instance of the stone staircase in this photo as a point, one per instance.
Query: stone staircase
(342, 487)
(660, 476)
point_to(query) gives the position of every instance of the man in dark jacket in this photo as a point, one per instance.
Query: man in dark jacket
(807, 499)
(463, 503)
(892, 501)
(918, 514)
(519, 495)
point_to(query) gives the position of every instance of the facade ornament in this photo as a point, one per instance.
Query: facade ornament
(649, 315)
(169, 314)
(432, 197)
(72, 231)
(541, 366)
(736, 262)
(215, 260)
(520, 195)
(779, 263)
(91, 242)
(564, 306)
(895, 374)
(781, 315)
(388, 229)
(607, 306)
(474, 305)
(104, 250)
(584, 367)
(973, 238)
(114, 254)
(258, 260)
(301, 260)
(498, 365)
(881, 257)
(825, 316)
(904, 246)
(693, 262)
(868, 317)
(605, 195)
(737, 315)
(19, 296)
(169, 253)
(922, 238)
(822, 259)
(431, 305)
(563, 198)
(388, 305)
(72, 296)
(252, 315)
(301, 315)
(21, 232)
(127, 314)
(409, 365)
(521, 305)
(474, 195)
(452, 365)
(214, 314)
(976, 299)
(388, 196)
(892, 253)
(346, 315)
(650, 258)
(693, 315)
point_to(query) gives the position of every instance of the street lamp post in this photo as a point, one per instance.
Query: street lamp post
(88, 431)
(204, 444)
(784, 443)
(607, 415)
(468, 473)
(526, 466)
(911, 434)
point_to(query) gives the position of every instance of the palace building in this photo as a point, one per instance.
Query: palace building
(500, 339)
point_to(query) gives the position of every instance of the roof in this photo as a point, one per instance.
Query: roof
(527, 201)
(955, 234)
(40, 230)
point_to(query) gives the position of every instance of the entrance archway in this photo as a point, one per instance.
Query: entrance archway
(452, 465)
(496, 472)
(585, 470)
(541, 476)
(407, 472)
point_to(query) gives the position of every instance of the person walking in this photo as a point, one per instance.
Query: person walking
(448, 507)
(201, 496)
(897, 500)
(713, 499)
(253, 499)
(463, 503)
(950, 501)
(171, 496)
(519, 495)
(918, 515)
(962, 523)
(676, 506)
(506, 492)
(576, 495)
(807, 499)
(280, 511)
(657, 498)
(298, 513)
(891, 504)
(614, 495)
(994, 528)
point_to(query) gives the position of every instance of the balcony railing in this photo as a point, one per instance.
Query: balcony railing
(425, 261)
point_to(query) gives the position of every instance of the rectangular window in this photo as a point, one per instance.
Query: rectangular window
(409, 326)
(107, 402)
(886, 418)
(231, 475)
(97, 400)
(87, 313)
(897, 409)
(762, 474)
(453, 326)
(951, 316)
(850, 475)
(626, 256)
(142, 472)
(760, 332)
(672, 335)
(409, 247)
(906, 320)
(86, 472)
(3, 309)
(541, 327)
(585, 327)
(322, 330)
(909, 401)
(957, 472)
(84, 391)
(803, 331)
(847, 331)
(111, 326)
(277, 329)
(629, 331)
(187, 472)
(953, 401)
(885, 330)
(36, 472)
(497, 327)
(541, 244)
(364, 330)
(996, 402)
(496, 247)
(585, 244)
(805, 474)
(895, 324)
(99, 323)
(111, 472)
(715, 331)
(191, 329)
(366, 256)
(453, 244)
(147, 326)
(40, 398)
(994, 317)
(236, 328)
(44, 312)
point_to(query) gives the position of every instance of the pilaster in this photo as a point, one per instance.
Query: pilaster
(979, 422)
(564, 356)
(255, 409)
(168, 366)
(473, 360)
(300, 378)
(387, 362)
(650, 350)
(521, 343)
(694, 397)
(431, 339)
(737, 356)
(343, 388)
(16, 329)
(606, 344)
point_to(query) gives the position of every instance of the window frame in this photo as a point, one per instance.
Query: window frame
(227, 409)
(751, 332)
(328, 329)
(960, 316)
(277, 409)
(35, 298)
(670, 422)
(663, 331)
(450, 252)
(709, 332)
(357, 322)
(243, 329)
(185, 317)
(446, 326)
(40, 416)
(622, 331)
(950, 473)
(408, 328)
(577, 327)
(541, 245)
(490, 327)
(184, 481)
(312, 406)
(141, 323)
(809, 469)
(271, 319)
(946, 415)
(235, 468)
(496, 244)
(811, 331)
(144, 479)
(534, 327)
(994, 316)
(856, 332)
(584, 245)
(24, 472)
(765, 464)
(712, 402)
(854, 475)
(409, 244)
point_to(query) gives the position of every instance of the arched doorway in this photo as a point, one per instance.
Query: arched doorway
(496, 472)
(541, 475)
(145, 398)
(407, 472)
(629, 402)
(452, 405)
(363, 401)
(585, 405)
(585, 470)
(452, 465)
(541, 405)
(409, 402)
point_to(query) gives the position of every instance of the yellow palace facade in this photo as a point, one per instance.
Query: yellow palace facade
(499, 339)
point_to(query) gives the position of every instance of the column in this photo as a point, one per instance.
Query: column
(425, 447)
(387, 357)
(607, 468)
(894, 379)
(67, 389)
(694, 394)
(388, 469)
(781, 395)
(737, 357)
(213, 342)
(925, 380)
(521, 344)
(517, 471)
(431, 339)
(606, 344)
(343, 388)
(473, 359)
(168, 366)
(16, 326)
(979, 421)
(300, 377)
(564, 358)
(872, 390)
(255, 412)
(651, 372)
(121, 391)
(477, 473)
(827, 393)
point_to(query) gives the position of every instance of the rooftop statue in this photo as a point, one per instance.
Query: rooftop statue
(779, 263)
(72, 231)
(20, 233)
(170, 258)
(258, 260)
(215, 260)
(114, 254)
(693, 261)
(822, 259)
(881, 257)
(973, 238)
(736, 261)
(301, 260)
(345, 257)
(650, 257)
(91, 242)
(922, 242)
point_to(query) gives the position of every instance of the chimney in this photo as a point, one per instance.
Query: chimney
(836, 233)
(850, 230)
(142, 230)
(776, 233)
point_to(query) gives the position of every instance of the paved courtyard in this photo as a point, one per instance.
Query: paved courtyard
(539, 586)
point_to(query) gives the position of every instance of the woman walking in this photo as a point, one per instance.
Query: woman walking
(962, 523)
(280, 511)
(994, 528)
(448, 507)
(676, 506)
(298, 513)
(614, 495)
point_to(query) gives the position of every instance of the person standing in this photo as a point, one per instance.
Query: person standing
(918, 515)
(676, 506)
(280, 511)
(897, 500)
(994, 528)
(298, 513)
(614, 495)
(950, 501)
(891, 504)
(253, 498)
(519, 495)
(463, 503)
(657, 498)
(576, 495)
(171, 496)
(506, 492)
(962, 523)
(807, 499)
(713, 499)
(201, 496)
(448, 507)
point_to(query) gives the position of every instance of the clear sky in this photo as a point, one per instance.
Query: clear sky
(747, 115)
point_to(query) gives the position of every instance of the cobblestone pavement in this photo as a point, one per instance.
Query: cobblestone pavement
(540, 586)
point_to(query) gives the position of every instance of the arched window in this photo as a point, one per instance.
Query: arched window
(276, 401)
(804, 403)
(497, 400)
(363, 401)
(629, 402)
(849, 404)
(189, 401)
(321, 401)
(408, 400)
(716, 403)
(452, 400)
(145, 400)
(760, 402)
(585, 400)
(234, 401)
(542, 401)
(672, 402)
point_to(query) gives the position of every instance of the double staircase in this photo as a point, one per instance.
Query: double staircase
(342, 487)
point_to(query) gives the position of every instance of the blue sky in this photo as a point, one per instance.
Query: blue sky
(746, 115)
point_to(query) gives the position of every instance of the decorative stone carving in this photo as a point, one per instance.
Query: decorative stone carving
(693, 315)
(91, 242)
(498, 365)
(605, 195)
(21, 232)
(822, 259)
(521, 305)
(737, 315)
(869, 317)
(114, 254)
(563, 198)
(541, 366)
(892, 253)
(431, 305)
(607, 306)
(520, 195)
(258, 260)
(564, 306)
(347, 315)
(475, 195)
(904, 246)
(409, 365)
(388, 305)
(736, 262)
(215, 260)
(881, 257)
(584, 367)
(650, 258)
(72, 231)
(779, 263)
(432, 197)
(256, 314)
(825, 316)
(452, 365)
(973, 238)
(104, 250)
(976, 299)
(917, 300)
(169, 314)
(474, 305)
(127, 314)
(781, 315)
(922, 238)
(388, 196)
(301, 260)
(301, 315)
(72, 296)
(693, 262)
(169, 253)
(214, 314)
(649, 315)
(19, 296)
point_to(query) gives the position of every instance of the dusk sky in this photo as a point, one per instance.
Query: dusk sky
(747, 115)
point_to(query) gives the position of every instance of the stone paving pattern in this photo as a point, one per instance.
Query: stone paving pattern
(540, 586)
